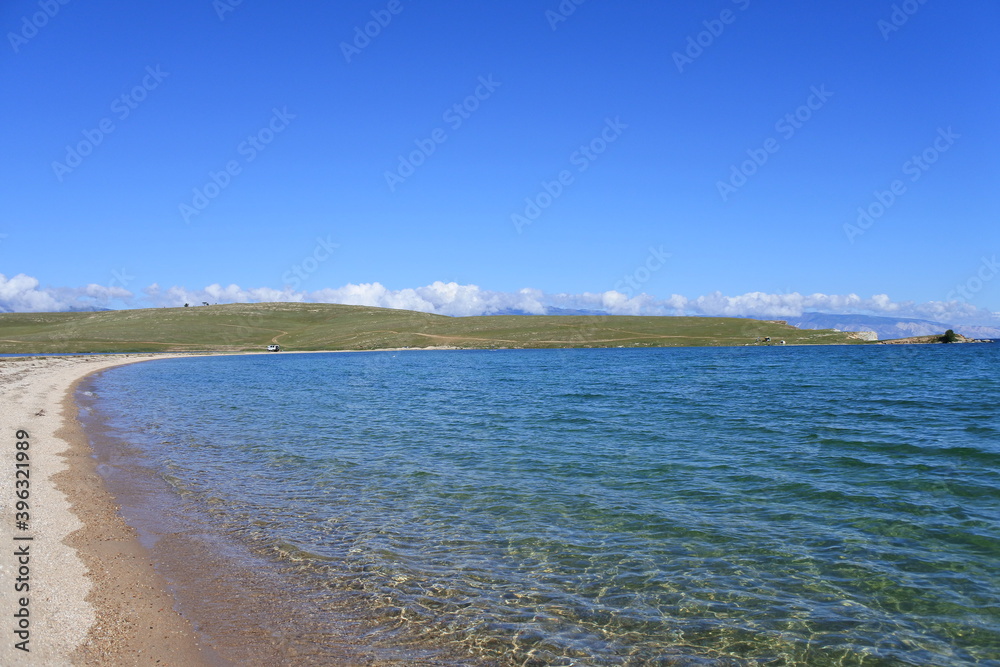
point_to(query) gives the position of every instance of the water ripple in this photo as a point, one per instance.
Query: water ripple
(809, 506)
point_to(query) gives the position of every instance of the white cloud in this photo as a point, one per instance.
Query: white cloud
(178, 296)
(439, 298)
(22, 293)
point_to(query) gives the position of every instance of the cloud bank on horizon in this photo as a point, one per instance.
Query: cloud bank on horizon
(23, 293)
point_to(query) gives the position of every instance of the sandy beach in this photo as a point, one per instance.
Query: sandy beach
(78, 588)
(89, 587)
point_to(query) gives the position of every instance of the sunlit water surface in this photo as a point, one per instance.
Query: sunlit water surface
(780, 506)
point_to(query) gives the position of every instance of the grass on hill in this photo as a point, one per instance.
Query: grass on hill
(313, 326)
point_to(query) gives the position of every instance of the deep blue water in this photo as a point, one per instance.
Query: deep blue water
(785, 506)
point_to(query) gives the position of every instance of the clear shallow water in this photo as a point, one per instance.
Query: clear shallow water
(598, 507)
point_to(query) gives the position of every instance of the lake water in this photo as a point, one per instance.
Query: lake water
(684, 506)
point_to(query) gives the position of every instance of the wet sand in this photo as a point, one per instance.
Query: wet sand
(93, 596)
(98, 593)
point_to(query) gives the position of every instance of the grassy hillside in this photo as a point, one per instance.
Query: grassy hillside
(311, 326)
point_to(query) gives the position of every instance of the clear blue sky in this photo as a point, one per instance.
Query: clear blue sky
(889, 92)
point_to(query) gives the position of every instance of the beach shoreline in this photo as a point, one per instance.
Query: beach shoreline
(103, 594)
(94, 592)
(95, 596)
(90, 590)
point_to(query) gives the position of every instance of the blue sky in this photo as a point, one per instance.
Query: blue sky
(714, 150)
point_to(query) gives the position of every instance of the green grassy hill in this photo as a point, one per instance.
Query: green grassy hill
(313, 326)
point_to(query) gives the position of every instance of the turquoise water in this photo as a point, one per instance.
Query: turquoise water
(709, 506)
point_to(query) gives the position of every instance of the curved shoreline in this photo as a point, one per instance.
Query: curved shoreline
(94, 596)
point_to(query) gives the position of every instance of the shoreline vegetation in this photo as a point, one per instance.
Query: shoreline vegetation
(331, 327)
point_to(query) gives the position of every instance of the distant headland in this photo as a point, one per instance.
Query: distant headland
(948, 336)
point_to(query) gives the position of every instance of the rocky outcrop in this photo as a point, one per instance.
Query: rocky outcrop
(888, 328)
(931, 340)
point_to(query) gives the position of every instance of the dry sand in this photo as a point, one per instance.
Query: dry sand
(93, 597)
